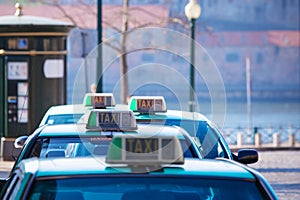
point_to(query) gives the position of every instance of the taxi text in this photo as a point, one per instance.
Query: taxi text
(141, 145)
(109, 118)
(147, 104)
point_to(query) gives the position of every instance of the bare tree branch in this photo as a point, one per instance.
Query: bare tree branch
(111, 26)
(129, 24)
(56, 4)
(89, 8)
(145, 11)
(109, 43)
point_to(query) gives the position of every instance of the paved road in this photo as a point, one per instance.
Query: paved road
(5, 168)
(280, 168)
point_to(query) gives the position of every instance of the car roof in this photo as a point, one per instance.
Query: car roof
(161, 129)
(173, 114)
(81, 130)
(85, 166)
(67, 109)
(78, 109)
(187, 115)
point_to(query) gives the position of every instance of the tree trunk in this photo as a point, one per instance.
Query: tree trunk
(124, 66)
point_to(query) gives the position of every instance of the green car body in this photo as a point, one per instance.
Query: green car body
(77, 134)
(211, 144)
(209, 138)
(90, 178)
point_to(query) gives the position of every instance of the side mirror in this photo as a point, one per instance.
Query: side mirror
(247, 156)
(20, 141)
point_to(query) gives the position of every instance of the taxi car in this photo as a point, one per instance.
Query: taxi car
(73, 113)
(211, 143)
(93, 138)
(63, 114)
(66, 114)
(136, 168)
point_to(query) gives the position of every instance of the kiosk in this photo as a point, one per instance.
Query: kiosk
(33, 54)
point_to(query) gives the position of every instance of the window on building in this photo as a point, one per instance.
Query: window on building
(147, 57)
(259, 58)
(232, 57)
(276, 50)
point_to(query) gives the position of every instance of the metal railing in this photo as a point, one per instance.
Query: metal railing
(288, 136)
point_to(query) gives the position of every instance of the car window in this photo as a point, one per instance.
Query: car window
(63, 119)
(145, 187)
(68, 147)
(188, 151)
(209, 142)
(83, 146)
(13, 186)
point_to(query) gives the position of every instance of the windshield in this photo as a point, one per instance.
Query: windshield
(144, 187)
(85, 146)
(206, 137)
(69, 147)
(63, 119)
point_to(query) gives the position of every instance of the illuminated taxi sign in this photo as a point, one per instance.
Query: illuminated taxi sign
(148, 104)
(141, 150)
(111, 120)
(99, 100)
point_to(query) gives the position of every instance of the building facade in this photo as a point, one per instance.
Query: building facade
(266, 32)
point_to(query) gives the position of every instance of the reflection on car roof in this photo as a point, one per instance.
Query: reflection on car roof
(77, 166)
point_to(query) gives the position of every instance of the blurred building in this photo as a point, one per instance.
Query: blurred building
(266, 31)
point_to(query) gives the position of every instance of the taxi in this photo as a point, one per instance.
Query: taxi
(209, 139)
(63, 114)
(92, 139)
(136, 168)
(66, 114)
(73, 113)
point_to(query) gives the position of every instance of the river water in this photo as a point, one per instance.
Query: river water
(266, 118)
(264, 114)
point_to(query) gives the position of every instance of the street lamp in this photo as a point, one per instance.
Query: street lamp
(192, 11)
(99, 72)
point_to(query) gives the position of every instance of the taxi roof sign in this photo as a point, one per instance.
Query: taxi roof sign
(99, 100)
(144, 150)
(111, 120)
(147, 104)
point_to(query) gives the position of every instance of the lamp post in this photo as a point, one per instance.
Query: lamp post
(99, 58)
(192, 12)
